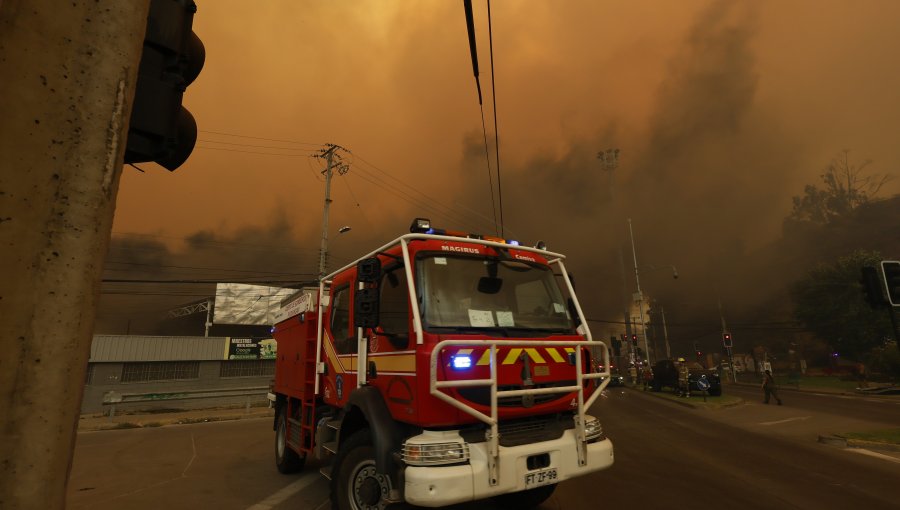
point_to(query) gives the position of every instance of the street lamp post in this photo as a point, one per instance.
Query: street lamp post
(639, 297)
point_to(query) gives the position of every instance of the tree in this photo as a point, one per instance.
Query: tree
(829, 303)
(846, 186)
(886, 360)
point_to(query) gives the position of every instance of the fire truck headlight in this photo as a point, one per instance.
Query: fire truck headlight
(435, 454)
(461, 362)
(593, 431)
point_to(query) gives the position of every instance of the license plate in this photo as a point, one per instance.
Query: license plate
(538, 478)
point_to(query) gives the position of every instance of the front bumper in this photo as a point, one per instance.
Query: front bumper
(434, 486)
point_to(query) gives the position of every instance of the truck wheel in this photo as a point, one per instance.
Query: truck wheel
(287, 460)
(530, 498)
(355, 485)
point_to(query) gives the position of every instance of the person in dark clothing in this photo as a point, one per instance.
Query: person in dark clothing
(769, 389)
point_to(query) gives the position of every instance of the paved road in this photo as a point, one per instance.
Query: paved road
(883, 409)
(665, 453)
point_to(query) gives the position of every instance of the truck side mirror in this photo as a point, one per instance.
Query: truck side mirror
(365, 309)
(368, 270)
(366, 300)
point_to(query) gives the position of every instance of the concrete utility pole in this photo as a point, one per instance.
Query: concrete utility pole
(329, 156)
(662, 312)
(638, 294)
(68, 77)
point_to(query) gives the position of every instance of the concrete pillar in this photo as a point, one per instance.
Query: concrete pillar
(67, 77)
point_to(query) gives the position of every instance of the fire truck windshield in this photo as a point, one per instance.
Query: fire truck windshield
(474, 293)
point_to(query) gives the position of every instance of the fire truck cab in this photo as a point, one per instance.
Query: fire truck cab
(442, 367)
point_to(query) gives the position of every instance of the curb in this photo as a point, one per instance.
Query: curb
(844, 442)
(686, 402)
(140, 421)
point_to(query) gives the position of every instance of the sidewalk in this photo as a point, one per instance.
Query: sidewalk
(95, 422)
(889, 449)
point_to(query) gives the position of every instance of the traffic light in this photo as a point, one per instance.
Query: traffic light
(871, 285)
(726, 339)
(160, 129)
(633, 340)
(891, 271)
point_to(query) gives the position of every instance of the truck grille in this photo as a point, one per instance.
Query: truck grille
(524, 431)
(482, 395)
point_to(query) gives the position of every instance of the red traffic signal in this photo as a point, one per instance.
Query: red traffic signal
(726, 339)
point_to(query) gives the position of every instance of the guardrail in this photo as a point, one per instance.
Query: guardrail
(114, 398)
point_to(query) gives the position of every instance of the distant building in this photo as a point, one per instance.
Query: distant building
(177, 372)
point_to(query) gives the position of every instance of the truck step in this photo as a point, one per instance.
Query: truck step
(330, 446)
(333, 424)
(326, 471)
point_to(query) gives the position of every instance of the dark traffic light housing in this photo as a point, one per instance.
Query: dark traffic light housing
(616, 346)
(160, 129)
(871, 285)
(891, 271)
(726, 339)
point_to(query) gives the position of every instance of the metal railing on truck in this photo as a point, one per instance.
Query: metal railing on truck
(494, 437)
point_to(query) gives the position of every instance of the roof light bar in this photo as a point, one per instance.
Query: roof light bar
(423, 226)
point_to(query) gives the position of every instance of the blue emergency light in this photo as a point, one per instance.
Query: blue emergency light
(461, 362)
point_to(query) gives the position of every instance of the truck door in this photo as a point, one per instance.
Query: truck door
(340, 346)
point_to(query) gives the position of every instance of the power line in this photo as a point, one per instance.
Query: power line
(193, 242)
(487, 156)
(161, 266)
(249, 152)
(494, 101)
(197, 282)
(256, 146)
(261, 138)
(473, 50)
(448, 210)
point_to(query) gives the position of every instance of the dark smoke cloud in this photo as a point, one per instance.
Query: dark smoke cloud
(705, 185)
(171, 275)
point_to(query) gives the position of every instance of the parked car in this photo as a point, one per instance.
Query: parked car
(665, 374)
(616, 380)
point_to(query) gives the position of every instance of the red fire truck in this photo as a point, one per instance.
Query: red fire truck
(442, 367)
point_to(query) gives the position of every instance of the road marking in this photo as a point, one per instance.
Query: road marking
(194, 456)
(874, 454)
(785, 421)
(285, 493)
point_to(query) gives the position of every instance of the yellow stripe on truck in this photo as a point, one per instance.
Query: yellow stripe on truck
(513, 355)
(557, 357)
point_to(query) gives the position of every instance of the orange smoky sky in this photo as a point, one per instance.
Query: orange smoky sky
(722, 110)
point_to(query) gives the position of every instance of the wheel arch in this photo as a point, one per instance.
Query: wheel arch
(366, 408)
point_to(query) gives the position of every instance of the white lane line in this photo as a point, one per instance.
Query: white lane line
(285, 493)
(194, 456)
(877, 455)
(785, 421)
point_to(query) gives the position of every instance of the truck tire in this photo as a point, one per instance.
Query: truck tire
(355, 485)
(530, 498)
(286, 460)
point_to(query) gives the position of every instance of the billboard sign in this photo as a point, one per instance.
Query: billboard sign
(254, 305)
(250, 348)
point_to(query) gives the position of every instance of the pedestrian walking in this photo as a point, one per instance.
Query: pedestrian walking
(684, 384)
(647, 376)
(769, 388)
(861, 375)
